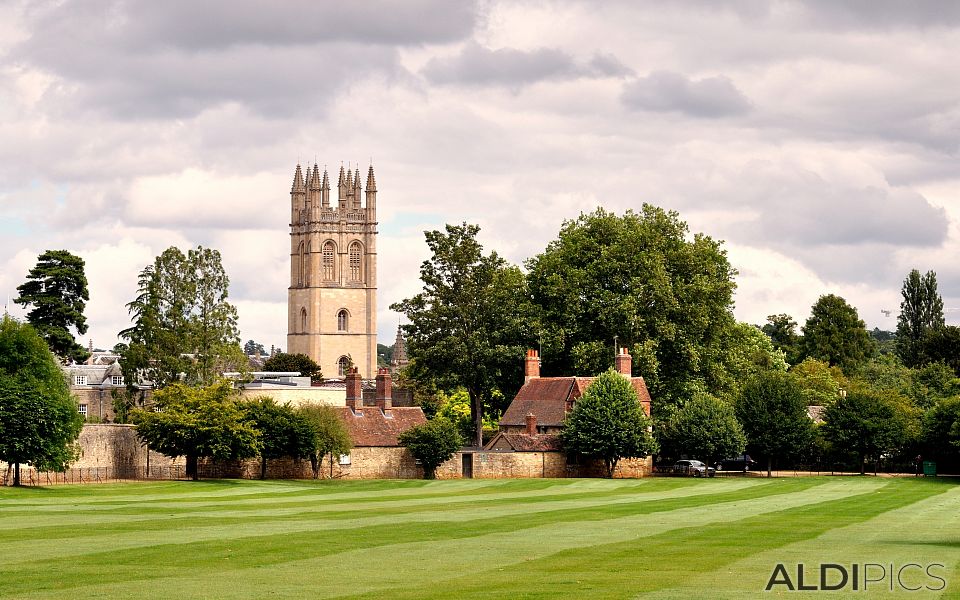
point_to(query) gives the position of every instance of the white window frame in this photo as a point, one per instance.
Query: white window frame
(345, 460)
(82, 409)
(80, 380)
(116, 380)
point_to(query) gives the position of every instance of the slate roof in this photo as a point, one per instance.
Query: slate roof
(521, 442)
(546, 397)
(374, 428)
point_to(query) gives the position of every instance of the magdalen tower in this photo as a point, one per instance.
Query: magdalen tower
(332, 299)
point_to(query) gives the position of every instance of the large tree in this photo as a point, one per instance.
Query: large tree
(56, 288)
(835, 333)
(921, 311)
(705, 428)
(301, 363)
(943, 345)
(284, 432)
(197, 422)
(640, 279)
(773, 412)
(608, 423)
(39, 422)
(183, 327)
(782, 331)
(866, 422)
(469, 326)
(330, 435)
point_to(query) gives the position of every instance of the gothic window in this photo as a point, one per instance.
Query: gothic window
(343, 365)
(329, 253)
(300, 264)
(342, 320)
(355, 254)
(303, 320)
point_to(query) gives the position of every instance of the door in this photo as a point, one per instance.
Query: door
(467, 463)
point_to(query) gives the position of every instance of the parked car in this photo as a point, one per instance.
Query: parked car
(742, 462)
(693, 468)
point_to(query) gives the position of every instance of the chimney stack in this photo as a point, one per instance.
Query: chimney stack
(384, 398)
(531, 366)
(624, 362)
(531, 420)
(354, 390)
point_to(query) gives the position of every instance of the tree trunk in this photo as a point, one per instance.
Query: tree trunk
(611, 467)
(315, 465)
(263, 467)
(429, 473)
(769, 466)
(16, 474)
(863, 460)
(331, 465)
(476, 411)
(192, 467)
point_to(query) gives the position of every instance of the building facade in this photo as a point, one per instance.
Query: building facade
(332, 298)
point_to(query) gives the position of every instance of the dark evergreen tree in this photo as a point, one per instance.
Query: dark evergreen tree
(835, 333)
(921, 312)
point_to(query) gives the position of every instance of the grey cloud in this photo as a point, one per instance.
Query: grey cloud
(886, 14)
(665, 91)
(477, 65)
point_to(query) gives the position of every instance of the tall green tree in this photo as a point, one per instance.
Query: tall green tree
(835, 333)
(782, 331)
(773, 412)
(283, 431)
(301, 363)
(330, 435)
(941, 429)
(197, 422)
(866, 422)
(470, 325)
(184, 329)
(921, 311)
(39, 422)
(56, 288)
(608, 423)
(643, 279)
(251, 347)
(943, 345)
(705, 428)
(432, 443)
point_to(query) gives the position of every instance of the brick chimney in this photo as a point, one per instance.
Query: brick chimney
(624, 362)
(384, 398)
(531, 365)
(354, 390)
(531, 420)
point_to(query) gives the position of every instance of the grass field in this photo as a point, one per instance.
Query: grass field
(658, 538)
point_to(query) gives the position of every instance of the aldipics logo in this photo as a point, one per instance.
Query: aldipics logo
(857, 577)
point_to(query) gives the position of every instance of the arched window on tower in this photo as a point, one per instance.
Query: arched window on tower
(329, 253)
(303, 320)
(300, 264)
(355, 254)
(343, 365)
(343, 320)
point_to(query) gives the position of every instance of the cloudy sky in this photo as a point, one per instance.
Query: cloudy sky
(818, 139)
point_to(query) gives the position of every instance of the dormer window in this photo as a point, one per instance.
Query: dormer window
(116, 380)
(80, 380)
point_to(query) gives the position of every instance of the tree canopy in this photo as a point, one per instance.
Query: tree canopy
(306, 366)
(330, 435)
(198, 422)
(773, 412)
(835, 333)
(39, 421)
(284, 432)
(921, 311)
(432, 443)
(608, 423)
(56, 288)
(643, 280)
(183, 327)
(865, 422)
(782, 331)
(705, 428)
(469, 326)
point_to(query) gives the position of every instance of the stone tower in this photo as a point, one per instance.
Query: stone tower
(332, 299)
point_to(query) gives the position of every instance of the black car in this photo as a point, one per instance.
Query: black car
(743, 462)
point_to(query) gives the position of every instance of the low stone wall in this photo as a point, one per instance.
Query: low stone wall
(497, 465)
(364, 463)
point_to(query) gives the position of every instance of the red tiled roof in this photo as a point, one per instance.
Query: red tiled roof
(373, 428)
(546, 398)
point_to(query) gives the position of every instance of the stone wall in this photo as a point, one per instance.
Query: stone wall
(495, 465)
(364, 463)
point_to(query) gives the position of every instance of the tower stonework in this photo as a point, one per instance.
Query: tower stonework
(332, 298)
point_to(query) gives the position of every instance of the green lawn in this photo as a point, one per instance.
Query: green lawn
(658, 537)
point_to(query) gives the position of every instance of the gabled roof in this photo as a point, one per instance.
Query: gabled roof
(521, 442)
(546, 398)
(374, 428)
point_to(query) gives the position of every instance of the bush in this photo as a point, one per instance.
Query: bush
(432, 443)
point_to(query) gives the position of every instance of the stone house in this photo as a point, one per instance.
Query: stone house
(93, 386)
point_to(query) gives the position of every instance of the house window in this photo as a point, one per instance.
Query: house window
(355, 271)
(343, 365)
(80, 380)
(116, 379)
(344, 459)
(329, 273)
(82, 409)
(342, 320)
